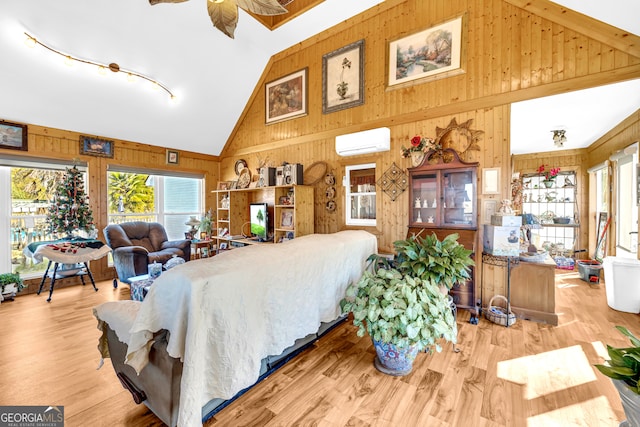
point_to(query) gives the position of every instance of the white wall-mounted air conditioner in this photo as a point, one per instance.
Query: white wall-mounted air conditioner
(368, 141)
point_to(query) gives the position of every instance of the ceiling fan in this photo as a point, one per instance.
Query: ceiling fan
(224, 13)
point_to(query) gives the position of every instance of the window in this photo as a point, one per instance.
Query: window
(361, 194)
(169, 200)
(30, 186)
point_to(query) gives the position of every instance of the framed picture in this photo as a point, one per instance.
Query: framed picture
(223, 246)
(286, 98)
(172, 157)
(489, 207)
(286, 219)
(96, 146)
(343, 78)
(491, 181)
(203, 235)
(13, 135)
(428, 53)
(223, 185)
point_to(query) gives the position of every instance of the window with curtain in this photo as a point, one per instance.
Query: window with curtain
(361, 194)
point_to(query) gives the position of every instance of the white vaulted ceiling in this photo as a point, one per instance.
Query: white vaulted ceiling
(212, 75)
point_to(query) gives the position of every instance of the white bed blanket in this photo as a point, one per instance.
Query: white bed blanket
(228, 312)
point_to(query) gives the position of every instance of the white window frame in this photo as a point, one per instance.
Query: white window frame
(349, 220)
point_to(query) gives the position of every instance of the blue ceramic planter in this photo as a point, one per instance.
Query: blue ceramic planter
(392, 360)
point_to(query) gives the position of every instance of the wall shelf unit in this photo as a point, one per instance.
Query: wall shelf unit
(290, 212)
(556, 207)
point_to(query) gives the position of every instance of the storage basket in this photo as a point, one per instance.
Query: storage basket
(498, 315)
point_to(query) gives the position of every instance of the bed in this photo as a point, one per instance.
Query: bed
(209, 328)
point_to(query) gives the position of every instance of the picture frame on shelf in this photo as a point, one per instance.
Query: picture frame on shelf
(286, 98)
(96, 146)
(223, 185)
(343, 78)
(13, 136)
(172, 157)
(421, 55)
(286, 219)
(490, 180)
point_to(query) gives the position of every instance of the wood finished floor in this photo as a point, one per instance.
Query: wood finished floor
(527, 375)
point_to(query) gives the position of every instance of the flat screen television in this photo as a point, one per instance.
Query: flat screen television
(259, 220)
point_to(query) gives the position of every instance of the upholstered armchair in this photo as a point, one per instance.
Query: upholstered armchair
(137, 244)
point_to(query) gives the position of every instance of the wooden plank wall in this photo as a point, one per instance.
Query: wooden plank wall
(509, 54)
(51, 143)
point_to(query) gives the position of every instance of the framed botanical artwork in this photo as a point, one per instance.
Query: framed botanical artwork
(13, 135)
(286, 219)
(343, 78)
(286, 98)
(172, 157)
(428, 53)
(96, 146)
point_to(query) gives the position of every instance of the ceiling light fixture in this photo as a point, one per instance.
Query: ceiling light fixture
(31, 41)
(558, 138)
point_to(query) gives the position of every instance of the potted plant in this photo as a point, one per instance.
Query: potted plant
(400, 303)
(206, 224)
(624, 370)
(10, 283)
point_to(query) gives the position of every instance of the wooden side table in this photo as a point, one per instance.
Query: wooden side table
(203, 249)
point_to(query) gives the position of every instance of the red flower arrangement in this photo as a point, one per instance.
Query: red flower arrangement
(550, 174)
(420, 143)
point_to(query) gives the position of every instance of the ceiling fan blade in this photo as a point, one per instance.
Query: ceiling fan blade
(224, 16)
(152, 2)
(262, 7)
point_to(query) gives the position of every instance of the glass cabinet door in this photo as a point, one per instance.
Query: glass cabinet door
(426, 203)
(458, 196)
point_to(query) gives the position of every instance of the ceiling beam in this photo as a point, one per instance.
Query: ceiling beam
(604, 33)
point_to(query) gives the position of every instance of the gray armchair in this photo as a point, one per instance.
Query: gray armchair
(137, 244)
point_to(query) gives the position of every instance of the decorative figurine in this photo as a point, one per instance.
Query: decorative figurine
(425, 204)
(430, 220)
(417, 204)
(434, 204)
(419, 219)
(505, 207)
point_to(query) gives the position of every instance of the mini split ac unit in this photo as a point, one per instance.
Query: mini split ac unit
(368, 141)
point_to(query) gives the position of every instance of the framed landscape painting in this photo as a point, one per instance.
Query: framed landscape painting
(13, 135)
(343, 78)
(96, 146)
(431, 52)
(286, 98)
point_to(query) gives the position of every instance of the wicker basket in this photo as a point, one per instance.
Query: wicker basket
(498, 315)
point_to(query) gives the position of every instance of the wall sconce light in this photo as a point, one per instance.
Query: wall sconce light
(558, 138)
(31, 41)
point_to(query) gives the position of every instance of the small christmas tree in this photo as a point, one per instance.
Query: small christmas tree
(69, 211)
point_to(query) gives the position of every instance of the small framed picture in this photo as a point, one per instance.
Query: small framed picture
(13, 135)
(286, 219)
(172, 157)
(491, 181)
(96, 146)
(223, 185)
(203, 235)
(223, 246)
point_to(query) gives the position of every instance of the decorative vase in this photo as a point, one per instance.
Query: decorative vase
(547, 183)
(342, 89)
(630, 404)
(392, 360)
(417, 157)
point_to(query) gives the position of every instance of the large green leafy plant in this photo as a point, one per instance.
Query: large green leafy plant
(399, 301)
(624, 363)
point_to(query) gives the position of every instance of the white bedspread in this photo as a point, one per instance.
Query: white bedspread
(228, 312)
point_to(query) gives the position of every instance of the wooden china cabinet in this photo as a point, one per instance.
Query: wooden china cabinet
(443, 200)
